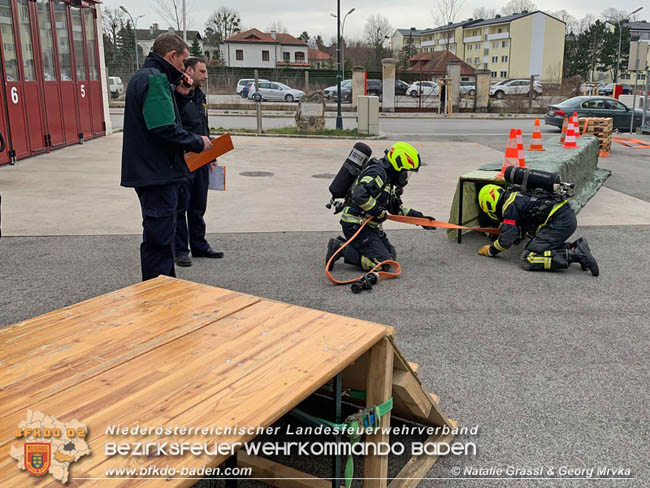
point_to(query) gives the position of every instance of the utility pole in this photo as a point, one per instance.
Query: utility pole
(339, 75)
(135, 34)
(184, 22)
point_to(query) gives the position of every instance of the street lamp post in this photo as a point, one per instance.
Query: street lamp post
(339, 60)
(135, 33)
(620, 36)
(343, 38)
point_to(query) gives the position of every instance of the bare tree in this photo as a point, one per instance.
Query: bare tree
(277, 27)
(377, 30)
(518, 6)
(484, 13)
(447, 12)
(112, 22)
(584, 23)
(171, 11)
(570, 21)
(224, 22)
(615, 15)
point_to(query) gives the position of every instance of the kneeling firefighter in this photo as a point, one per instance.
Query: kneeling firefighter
(375, 192)
(540, 213)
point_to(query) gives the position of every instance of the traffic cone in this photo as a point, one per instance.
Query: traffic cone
(570, 140)
(512, 153)
(576, 124)
(536, 143)
(520, 150)
(565, 126)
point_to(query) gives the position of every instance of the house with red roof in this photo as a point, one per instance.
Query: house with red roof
(256, 49)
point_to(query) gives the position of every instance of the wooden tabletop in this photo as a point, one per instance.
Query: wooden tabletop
(167, 352)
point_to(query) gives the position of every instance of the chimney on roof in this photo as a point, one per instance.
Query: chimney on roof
(449, 23)
(156, 26)
(470, 19)
(524, 11)
(274, 34)
(497, 16)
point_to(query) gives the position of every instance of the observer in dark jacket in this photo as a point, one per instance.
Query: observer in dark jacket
(153, 147)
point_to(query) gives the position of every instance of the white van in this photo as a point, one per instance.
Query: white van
(115, 86)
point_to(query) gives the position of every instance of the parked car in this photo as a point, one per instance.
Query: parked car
(243, 83)
(608, 90)
(401, 87)
(374, 87)
(274, 91)
(595, 107)
(467, 88)
(331, 91)
(115, 86)
(422, 88)
(515, 87)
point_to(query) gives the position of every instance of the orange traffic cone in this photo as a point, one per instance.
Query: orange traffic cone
(536, 143)
(603, 154)
(565, 126)
(570, 140)
(520, 149)
(512, 153)
(576, 124)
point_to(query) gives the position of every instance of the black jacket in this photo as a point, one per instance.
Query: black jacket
(371, 193)
(154, 139)
(523, 214)
(193, 110)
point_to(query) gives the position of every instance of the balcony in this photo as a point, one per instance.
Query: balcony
(501, 35)
(428, 43)
(473, 39)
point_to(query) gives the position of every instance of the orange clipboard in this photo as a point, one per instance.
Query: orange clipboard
(220, 146)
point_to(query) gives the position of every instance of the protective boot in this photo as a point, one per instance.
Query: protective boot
(574, 244)
(582, 254)
(332, 246)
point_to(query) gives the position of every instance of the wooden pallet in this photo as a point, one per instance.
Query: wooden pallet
(170, 352)
(601, 127)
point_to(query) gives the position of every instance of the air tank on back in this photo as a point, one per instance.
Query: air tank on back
(350, 170)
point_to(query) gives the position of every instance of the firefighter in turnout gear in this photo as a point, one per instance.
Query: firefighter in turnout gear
(375, 193)
(548, 218)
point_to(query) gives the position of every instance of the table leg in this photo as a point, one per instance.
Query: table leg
(338, 418)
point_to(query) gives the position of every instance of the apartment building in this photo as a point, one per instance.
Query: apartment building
(639, 31)
(514, 46)
(404, 37)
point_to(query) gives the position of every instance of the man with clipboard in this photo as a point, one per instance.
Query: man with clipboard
(193, 193)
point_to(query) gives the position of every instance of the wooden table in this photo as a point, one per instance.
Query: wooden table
(173, 353)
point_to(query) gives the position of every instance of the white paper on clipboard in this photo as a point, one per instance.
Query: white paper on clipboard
(217, 178)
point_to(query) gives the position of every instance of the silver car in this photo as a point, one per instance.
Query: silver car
(274, 91)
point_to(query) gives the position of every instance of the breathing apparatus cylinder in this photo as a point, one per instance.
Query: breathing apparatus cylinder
(533, 178)
(350, 170)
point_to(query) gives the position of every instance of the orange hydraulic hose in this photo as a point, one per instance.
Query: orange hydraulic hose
(398, 270)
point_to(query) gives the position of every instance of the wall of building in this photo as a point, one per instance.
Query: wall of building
(252, 55)
(520, 38)
(553, 50)
(292, 50)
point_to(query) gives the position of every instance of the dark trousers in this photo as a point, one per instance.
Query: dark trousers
(158, 205)
(370, 247)
(192, 203)
(548, 249)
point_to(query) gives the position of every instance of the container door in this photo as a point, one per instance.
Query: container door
(4, 133)
(83, 90)
(13, 85)
(96, 99)
(51, 86)
(31, 82)
(66, 74)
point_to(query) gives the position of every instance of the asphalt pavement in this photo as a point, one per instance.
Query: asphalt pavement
(552, 367)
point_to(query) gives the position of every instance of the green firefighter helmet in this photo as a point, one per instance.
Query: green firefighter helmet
(403, 157)
(488, 198)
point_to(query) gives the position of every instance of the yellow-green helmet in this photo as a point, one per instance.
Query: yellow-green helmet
(403, 156)
(488, 198)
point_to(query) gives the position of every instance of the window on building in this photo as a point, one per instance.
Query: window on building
(469, 47)
(286, 57)
(495, 59)
(495, 44)
(239, 54)
(504, 59)
(504, 74)
(47, 42)
(494, 73)
(90, 44)
(300, 57)
(62, 40)
(504, 43)
(485, 65)
(29, 69)
(9, 42)
(476, 61)
(78, 38)
(265, 56)
(641, 76)
(486, 51)
(499, 30)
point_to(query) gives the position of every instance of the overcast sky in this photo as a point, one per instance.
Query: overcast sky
(313, 16)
